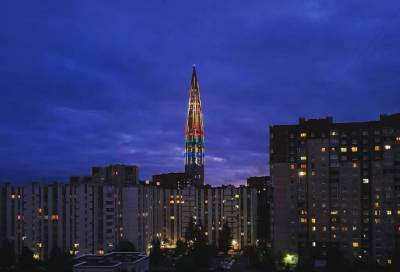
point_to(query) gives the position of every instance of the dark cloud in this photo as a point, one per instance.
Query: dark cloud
(88, 83)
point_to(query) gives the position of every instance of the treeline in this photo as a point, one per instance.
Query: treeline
(193, 254)
(11, 262)
(58, 260)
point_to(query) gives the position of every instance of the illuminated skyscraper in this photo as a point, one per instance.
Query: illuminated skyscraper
(194, 136)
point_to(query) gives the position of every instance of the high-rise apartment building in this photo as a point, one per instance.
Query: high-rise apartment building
(170, 180)
(264, 218)
(194, 136)
(116, 174)
(337, 184)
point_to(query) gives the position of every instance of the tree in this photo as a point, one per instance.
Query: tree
(59, 260)
(7, 256)
(201, 251)
(156, 256)
(180, 248)
(125, 246)
(225, 238)
(260, 256)
(190, 231)
(26, 261)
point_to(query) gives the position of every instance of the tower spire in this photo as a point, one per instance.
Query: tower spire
(193, 82)
(194, 135)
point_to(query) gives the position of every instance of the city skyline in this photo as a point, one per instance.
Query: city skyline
(99, 92)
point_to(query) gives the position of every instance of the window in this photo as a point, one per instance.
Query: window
(354, 149)
(343, 149)
(355, 165)
(334, 133)
(303, 158)
(303, 135)
(313, 220)
(355, 244)
(365, 180)
(377, 148)
(387, 147)
(323, 149)
(302, 173)
(389, 212)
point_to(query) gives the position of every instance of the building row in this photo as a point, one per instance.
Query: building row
(91, 214)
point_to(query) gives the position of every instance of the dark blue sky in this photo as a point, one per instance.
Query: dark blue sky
(94, 82)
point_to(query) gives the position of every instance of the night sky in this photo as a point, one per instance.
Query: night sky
(93, 82)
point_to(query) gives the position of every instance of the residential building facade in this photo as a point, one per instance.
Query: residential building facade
(337, 184)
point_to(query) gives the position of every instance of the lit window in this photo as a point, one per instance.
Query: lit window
(343, 149)
(237, 196)
(389, 261)
(171, 202)
(355, 165)
(12, 196)
(355, 244)
(302, 173)
(292, 166)
(158, 183)
(387, 147)
(377, 148)
(206, 201)
(365, 180)
(303, 166)
(354, 228)
(314, 228)
(398, 212)
(354, 149)
(54, 217)
(303, 220)
(313, 220)
(303, 135)
(172, 217)
(323, 149)
(333, 133)
(303, 158)
(398, 138)
(334, 212)
(314, 244)
(389, 212)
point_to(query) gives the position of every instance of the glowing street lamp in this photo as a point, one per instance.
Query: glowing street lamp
(290, 259)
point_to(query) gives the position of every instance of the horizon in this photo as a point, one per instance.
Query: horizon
(100, 83)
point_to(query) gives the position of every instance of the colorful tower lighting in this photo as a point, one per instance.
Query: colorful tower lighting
(194, 135)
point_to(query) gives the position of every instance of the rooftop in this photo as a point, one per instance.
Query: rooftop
(113, 259)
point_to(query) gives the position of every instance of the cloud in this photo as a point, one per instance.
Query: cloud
(100, 82)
